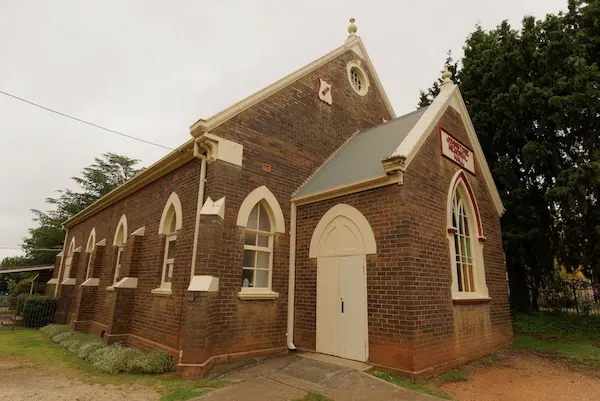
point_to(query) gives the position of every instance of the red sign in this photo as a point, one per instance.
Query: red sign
(457, 152)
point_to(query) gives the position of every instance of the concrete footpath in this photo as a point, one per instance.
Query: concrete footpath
(290, 377)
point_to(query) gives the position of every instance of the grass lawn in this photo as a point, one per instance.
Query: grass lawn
(38, 348)
(423, 386)
(573, 339)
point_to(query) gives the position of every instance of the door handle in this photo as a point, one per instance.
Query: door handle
(342, 306)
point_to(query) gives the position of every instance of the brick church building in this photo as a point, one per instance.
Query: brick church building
(307, 216)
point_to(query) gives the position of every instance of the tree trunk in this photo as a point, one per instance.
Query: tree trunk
(519, 293)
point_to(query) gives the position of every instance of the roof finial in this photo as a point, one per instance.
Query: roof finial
(352, 28)
(446, 76)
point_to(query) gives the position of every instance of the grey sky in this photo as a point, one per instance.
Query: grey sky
(152, 68)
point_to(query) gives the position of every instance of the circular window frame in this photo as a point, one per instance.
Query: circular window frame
(364, 78)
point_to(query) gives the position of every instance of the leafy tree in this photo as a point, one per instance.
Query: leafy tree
(534, 98)
(98, 179)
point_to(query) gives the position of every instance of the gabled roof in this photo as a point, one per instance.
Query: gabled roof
(185, 152)
(360, 159)
(361, 156)
(449, 96)
(353, 43)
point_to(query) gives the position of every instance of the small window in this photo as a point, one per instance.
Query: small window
(355, 79)
(359, 81)
(258, 249)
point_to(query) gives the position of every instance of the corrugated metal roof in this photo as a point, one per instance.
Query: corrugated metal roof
(21, 269)
(360, 158)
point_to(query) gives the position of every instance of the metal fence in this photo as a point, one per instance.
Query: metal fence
(580, 298)
(27, 310)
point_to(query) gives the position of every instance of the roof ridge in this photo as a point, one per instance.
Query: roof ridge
(331, 156)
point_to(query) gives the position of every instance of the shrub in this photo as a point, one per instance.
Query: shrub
(54, 329)
(113, 359)
(60, 337)
(116, 359)
(75, 342)
(37, 310)
(157, 361)
(89, 347)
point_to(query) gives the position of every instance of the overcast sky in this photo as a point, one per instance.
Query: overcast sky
(152, 68)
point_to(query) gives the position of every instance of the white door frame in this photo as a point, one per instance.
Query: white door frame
(368, 247)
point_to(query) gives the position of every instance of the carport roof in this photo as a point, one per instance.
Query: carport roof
(360, 158)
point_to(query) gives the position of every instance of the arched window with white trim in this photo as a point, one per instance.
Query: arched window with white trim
(465, 236)
(463, 245)
(258, 249)
(261, 216)
(69, 259)
(89, 250)
(170, 223)
(119, 241)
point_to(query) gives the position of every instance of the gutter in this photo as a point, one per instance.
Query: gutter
(292, 279)
(160, 168)
(377, 181)
(198, 209)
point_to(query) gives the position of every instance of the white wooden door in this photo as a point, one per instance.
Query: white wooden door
(353, 310)
(341, 292)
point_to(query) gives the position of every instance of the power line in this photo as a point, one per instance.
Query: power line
(87, 122)
(34, 249)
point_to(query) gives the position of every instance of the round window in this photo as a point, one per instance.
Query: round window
(358, 78)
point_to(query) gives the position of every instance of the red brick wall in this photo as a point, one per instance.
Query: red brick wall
(294, 132)
(446, 332)
(413, 324)
(154, 318)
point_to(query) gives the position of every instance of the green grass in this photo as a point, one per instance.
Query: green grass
(37, 348)
(313, 397)
(574, 339)
(420, 386)
(453, 376)
(6, 312)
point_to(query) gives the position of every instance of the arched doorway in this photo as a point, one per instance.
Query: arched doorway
(340, 242)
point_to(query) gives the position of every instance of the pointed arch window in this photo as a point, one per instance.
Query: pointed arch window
(261, 217)
(89, 249)
(465, 237)
(170, 224)
(69, 260)
(119, 241)
(463, 245)
(258, 249)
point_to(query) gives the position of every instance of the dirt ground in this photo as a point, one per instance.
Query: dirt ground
(523, 376)
(20, 381)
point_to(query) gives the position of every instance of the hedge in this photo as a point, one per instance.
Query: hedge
(112, 359)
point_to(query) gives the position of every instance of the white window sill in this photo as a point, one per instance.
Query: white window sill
(161, 291)
(470, 298)
(69, 281)
(91, 282)
(110, 288)
(53, 281)
(257, 294)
